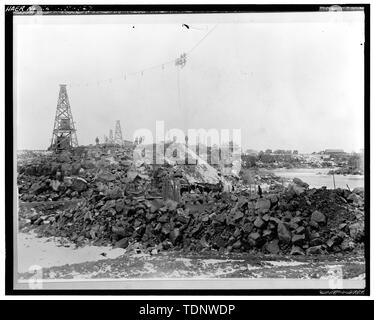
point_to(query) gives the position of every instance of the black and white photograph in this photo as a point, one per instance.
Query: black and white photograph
(176, 149)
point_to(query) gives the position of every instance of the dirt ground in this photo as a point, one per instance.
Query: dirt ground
(208, 265)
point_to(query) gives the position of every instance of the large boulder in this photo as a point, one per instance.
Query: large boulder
(284, 235)
(55, 185)
(171, 205)
(247, 227)
(106, 177)
(263, 204)
(88, 164)
(30, 170)
(259, 223)
(297, 251)
(347, 244)
(123, 243)
(109, 204)
(294, 189)
(37, 187)
(254, 236)
(79, 184)
(66, 169)
(353, 197)
(298, 239)
(314, 250)
(64, 157)
(272, 246)
(318, 217)
(300, 183)
(76, 166)
(357, 230)
(175, 236)
(120, 205)
(273, 198)
(114, 193)
(315, 242)
(156, 204)
(238, 215)
(55, 166)
(359, 190)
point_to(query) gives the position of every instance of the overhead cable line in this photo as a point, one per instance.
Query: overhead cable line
(180, 61)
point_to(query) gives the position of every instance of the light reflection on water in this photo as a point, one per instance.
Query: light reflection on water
(317, 178)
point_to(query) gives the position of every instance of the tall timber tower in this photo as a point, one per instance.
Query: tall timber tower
(64, 134)
(118, 134)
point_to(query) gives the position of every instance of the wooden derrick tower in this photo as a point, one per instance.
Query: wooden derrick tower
(64, 134)
(118, 134)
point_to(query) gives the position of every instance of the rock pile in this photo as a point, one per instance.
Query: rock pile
(114, 203)
(316, 221)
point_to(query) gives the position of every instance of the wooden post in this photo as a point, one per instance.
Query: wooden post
(333, 179)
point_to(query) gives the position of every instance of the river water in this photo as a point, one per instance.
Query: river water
(317, 178)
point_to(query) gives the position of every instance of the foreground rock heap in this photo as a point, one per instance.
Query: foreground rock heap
(113, 207)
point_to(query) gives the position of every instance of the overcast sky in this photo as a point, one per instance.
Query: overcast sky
(288, 81)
